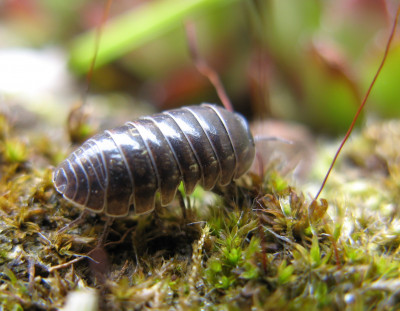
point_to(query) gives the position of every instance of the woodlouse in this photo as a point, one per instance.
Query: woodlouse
(128, 165)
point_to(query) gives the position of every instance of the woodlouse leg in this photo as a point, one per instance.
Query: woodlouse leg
(75, 222)
(106, 230)
(182, 204)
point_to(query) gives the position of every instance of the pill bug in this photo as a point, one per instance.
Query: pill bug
(123, 168)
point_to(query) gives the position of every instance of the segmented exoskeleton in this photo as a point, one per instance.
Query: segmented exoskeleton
(126, 166)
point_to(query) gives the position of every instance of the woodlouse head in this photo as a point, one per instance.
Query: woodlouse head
(241, 139)
(246, 148)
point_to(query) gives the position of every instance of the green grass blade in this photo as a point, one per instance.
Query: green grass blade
(135, 28)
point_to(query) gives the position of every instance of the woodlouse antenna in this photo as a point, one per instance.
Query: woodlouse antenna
(204, 68)
(258, 138)
(389, 42)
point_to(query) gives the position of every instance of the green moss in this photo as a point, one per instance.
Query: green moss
(241, 250)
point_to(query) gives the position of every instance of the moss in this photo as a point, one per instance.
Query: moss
(245, 249)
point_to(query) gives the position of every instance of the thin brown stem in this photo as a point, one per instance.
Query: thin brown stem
(69, 263)
(122, 238)
(204, 68)
(99, 32)
(362, 103)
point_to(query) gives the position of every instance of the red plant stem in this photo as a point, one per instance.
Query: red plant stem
(96, 46)
(362, 104)
(204, 68)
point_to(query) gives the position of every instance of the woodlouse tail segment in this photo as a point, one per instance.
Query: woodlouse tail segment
(67, 183)
(77, 179)
(60, 180)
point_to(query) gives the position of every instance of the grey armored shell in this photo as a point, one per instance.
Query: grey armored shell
(122, 169)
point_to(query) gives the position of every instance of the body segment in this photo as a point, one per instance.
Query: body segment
(124, 168)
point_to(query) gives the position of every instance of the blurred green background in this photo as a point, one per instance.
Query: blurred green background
(309, 61)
